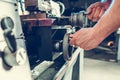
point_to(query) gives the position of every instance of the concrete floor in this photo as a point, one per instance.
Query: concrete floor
(100, 70)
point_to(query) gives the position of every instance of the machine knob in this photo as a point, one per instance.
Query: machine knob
(12, 55)
(7, 25)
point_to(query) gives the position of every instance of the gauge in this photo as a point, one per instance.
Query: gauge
(7, 23)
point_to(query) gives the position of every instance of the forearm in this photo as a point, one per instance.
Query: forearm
(109, 22)
(106, 0)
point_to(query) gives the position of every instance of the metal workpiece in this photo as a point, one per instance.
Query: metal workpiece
(79, 19)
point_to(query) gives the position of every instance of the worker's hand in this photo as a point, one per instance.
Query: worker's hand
(85, 38)
(96, 10)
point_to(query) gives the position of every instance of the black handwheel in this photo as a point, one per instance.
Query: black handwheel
(67, 49)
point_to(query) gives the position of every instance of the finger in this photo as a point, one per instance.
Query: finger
(90, 10)
(78, 43)
(102, 12)
(80, 40)
(71, 35)
(74, 37)
(96, 14)
(90, 16)
(72, 41)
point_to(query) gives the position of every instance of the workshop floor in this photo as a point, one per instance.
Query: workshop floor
(101, 65)
(100, 70)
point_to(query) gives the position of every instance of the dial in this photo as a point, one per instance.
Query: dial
(7, 23)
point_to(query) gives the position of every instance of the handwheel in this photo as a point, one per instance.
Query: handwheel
(67, 49)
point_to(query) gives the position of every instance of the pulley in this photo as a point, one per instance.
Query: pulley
(78, 19)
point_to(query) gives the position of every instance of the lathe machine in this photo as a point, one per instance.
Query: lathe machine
(36, 46)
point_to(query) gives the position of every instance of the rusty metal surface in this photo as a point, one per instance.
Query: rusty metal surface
(31, 2)
(41, 22)
(31, 16)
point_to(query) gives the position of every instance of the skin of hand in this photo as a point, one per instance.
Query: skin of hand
(89, 38)
(97, 9)
(85, 38)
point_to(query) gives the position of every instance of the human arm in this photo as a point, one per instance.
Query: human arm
(89, 38)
